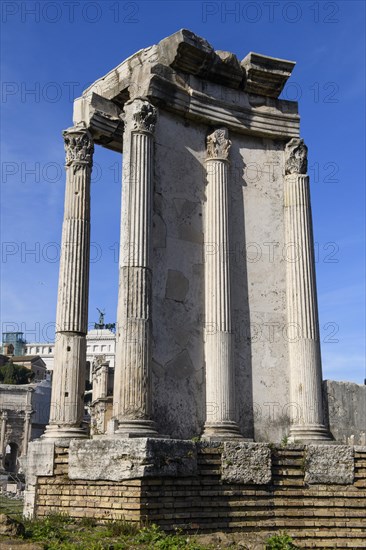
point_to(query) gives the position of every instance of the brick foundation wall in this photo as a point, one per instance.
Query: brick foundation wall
(97, 499)
(317, 516)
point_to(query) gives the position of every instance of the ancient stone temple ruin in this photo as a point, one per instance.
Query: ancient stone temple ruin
(218, 351)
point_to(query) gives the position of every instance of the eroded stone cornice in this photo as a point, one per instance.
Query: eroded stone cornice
(271, 118)
(184, 74)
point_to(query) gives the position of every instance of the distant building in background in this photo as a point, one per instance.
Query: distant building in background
(44, 350)
(32, 362)
(24, 409)
(24, 414)
(13, 343)
(100, 341)
(14, 350)
(101, 405)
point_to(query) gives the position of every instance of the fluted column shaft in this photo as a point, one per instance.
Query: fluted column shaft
(104, 380)
(4, 418)
(303, 325)
(132, 387)
(26, 437)
(68, 384)
(220, 392)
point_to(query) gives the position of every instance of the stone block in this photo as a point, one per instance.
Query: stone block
(40, 460)
(246, 463)
(10, 527)
(186, 52)
(329, 464)
(345, 408)
(266, 75)
(117, 459)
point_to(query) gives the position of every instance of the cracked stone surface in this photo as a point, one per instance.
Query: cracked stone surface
(246, 463)
(181, 366)
(329, 464)
(118, 459)
(177, 286)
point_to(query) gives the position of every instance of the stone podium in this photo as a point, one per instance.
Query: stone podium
(217, 321)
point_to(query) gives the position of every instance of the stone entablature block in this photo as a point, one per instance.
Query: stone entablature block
(266, 75)
(185, 75)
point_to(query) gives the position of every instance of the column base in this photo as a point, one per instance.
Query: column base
(137, 428)
(309, 432)
(228, 430)
(54, 431)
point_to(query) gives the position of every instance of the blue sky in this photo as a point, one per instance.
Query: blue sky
(51, 51)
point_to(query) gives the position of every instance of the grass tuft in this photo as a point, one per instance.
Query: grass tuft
(280, 541)
(60, 532)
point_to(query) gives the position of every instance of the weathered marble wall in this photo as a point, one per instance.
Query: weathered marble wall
(345, 411)
(178, 277)
(257, 267)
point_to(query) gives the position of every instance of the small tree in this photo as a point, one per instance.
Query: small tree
(10, 373)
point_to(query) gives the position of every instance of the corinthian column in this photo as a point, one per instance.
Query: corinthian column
(68, 383)
(132, 391)
(302, 309)
(220, 400)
